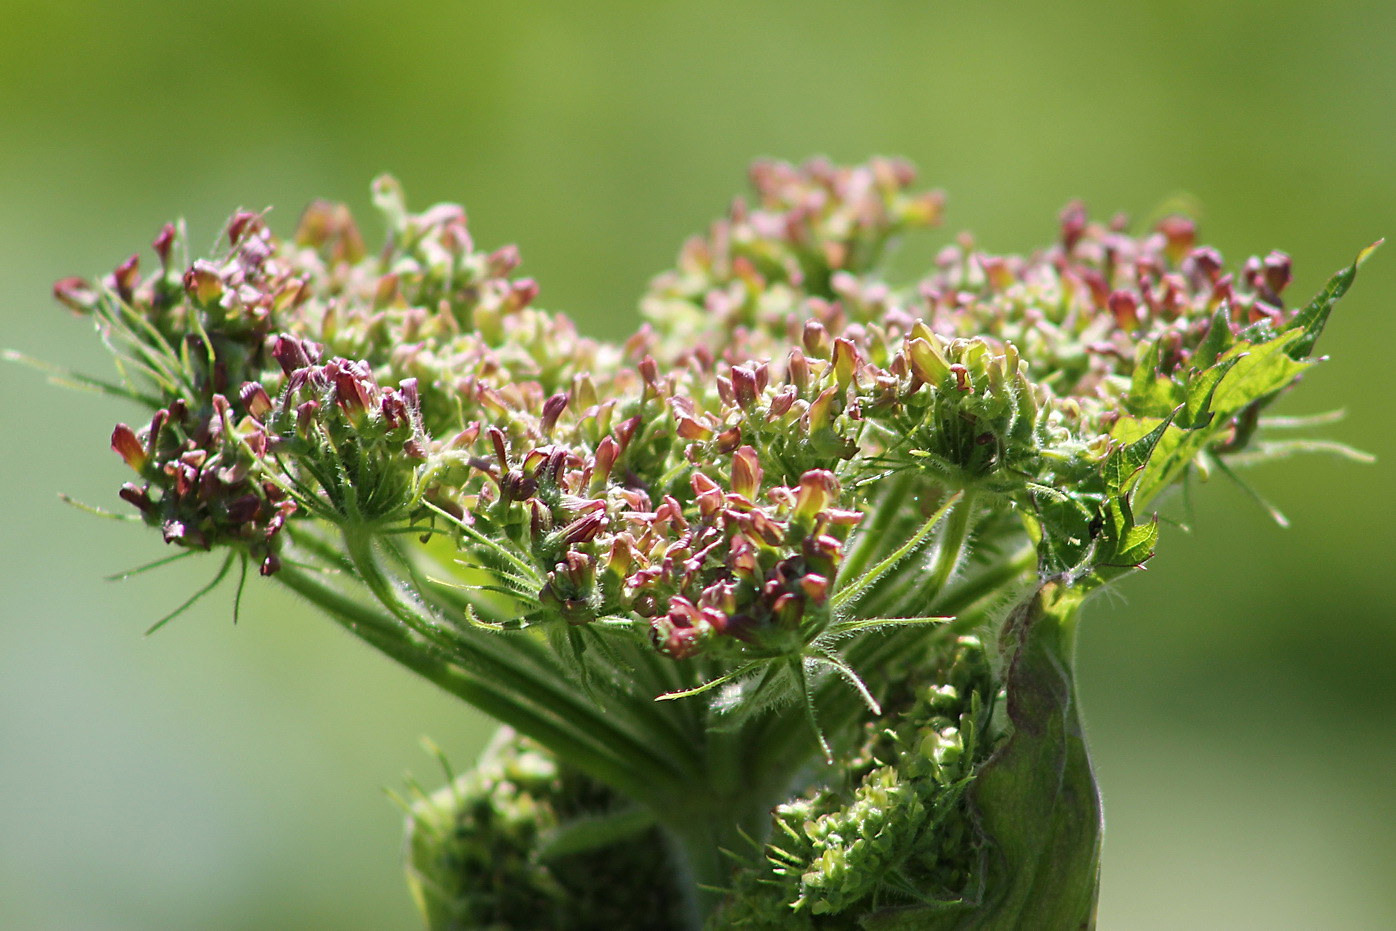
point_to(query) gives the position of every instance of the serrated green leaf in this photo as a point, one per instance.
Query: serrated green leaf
(1066, 530)
(1127, 461)
(1200, 393)
(1310, 321)
(1255, 372)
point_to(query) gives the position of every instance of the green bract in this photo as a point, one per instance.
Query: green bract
(807, 543)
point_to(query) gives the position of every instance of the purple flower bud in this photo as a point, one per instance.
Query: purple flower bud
(408, 387)
(744, 386)
(781, 403)
(625, 431)
(552, 410)
(350, 390)
(243, 509)
(517, 486)
(501, 451)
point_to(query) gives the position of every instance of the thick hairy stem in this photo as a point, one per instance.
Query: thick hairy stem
(1036, 798)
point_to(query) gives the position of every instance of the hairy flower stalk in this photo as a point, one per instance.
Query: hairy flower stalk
(778, 597)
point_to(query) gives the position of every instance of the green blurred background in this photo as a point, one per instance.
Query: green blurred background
(1240, 694)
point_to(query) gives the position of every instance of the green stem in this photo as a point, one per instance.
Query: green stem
(952, 544)
(872, 537)
(1036, 797)
(496, 658)
(382, 631)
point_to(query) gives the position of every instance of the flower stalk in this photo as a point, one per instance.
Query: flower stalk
(777, 599)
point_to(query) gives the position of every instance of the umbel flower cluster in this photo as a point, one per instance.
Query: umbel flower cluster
(781, 589)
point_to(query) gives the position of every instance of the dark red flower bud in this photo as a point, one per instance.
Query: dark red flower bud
(517, 486)
(1125, 308)
(540, 519)
(625, 431)
(305, 417)
(502, 261)
(163, 243)
(1208, 263)
(241, 222)
(584, 528)
(607, 451)
(255, 399)
(746, 473)
(1277, 272)
(552, 410)
(501, 450)
(75, 294)
(123, 440)
(1073, 222)
(137, 496)
(521, 294)
(1180, 234)
(126, 277)
(744, 386)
